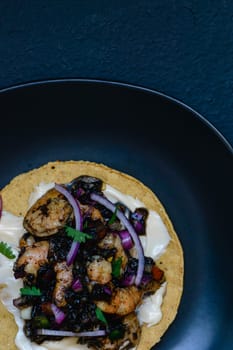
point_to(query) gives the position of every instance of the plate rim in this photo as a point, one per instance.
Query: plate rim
(219, 137)
(127, 85)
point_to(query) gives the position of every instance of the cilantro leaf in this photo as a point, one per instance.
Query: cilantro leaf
(100, 316)
(77, 235)
(116, 334)
(113, 217)
(30, 291)
(116, 267)
(6, 250)
(85, 224)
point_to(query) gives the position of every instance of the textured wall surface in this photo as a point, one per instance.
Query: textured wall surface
(181, 48)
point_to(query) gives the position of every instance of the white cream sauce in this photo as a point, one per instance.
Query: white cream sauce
(11, 229)
(150, 311)
(39, 191)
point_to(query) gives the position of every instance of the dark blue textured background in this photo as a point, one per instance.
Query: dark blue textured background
(181, 48)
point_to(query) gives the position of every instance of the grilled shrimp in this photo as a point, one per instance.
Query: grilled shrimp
(133, 331)
(112, 240)
(64, 278)
(49, 214)
(26, 240)
(91, 211)
(99, 270)
(33, 258)
(151, 287)
(123, 301)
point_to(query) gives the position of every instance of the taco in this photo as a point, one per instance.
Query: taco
(82, 263)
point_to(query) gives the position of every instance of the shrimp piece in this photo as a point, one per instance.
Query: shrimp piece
(96, 214)
(132, 331)
(64, 278)
(151, 287)
(91, 211)
(49, 214)
(112, 240)
(99, 270)
(26, 240)
(33, 258)
(123, 301)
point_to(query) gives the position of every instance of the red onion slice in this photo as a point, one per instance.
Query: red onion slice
(126, 239)
(58, 314)
(107, 291)
(109, 205)
(78, 222)
(74, 204)
(77, 285)
(72, 252)
(53, 332)
(128, 280)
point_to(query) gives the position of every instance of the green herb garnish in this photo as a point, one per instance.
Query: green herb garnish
(33, 291)
(116, 267)
(116, 334)
(113, 217)
(41, 321)
(100, 315)
(77, 235)
(6, 250)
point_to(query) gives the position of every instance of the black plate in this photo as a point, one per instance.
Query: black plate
(165, 144)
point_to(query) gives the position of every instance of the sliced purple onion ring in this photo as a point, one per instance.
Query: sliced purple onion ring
(126, 239)
(57, 333)
(74, 204)
(78, 221)
(72, 252)
(128, 280)
(109, 205)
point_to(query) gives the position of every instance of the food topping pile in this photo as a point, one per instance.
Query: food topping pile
(83, 267)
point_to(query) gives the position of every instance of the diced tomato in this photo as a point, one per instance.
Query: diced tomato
(157, 273)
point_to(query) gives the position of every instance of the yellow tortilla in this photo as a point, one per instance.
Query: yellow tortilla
(15, 198)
